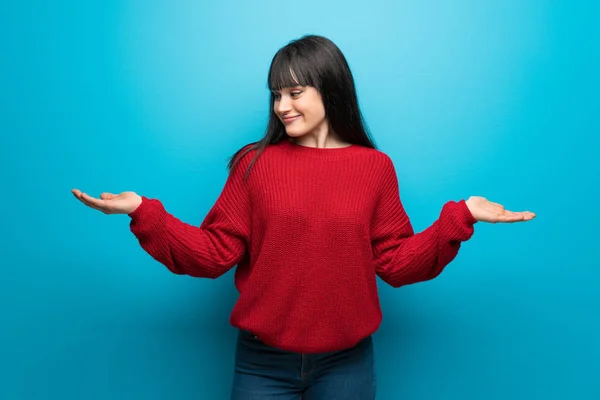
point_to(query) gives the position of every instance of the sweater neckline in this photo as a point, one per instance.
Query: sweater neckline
(320, 152)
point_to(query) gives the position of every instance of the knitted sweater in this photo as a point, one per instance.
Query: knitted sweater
(310, 229)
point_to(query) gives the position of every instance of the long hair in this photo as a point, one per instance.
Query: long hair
(317, 62)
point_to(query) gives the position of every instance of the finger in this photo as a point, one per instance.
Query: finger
(92, 200)
(80, 196)
(77, 194)
(89, 200)
(97, 204)
(527, 215)
(90, 204)
(509, 219)
(511, 216)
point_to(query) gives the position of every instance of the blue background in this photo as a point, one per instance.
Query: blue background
(490, 98)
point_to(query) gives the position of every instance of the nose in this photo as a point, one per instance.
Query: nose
(283, 106)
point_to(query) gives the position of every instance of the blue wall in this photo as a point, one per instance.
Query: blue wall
(498, 99)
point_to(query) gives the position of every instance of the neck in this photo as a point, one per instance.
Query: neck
(321, 138)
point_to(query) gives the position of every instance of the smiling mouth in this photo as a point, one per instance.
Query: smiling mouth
(290, 119)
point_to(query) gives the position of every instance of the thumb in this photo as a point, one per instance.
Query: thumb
(107, 196)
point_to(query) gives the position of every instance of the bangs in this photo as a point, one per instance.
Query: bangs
(290, 70)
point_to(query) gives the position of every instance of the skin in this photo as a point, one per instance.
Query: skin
(312, 129)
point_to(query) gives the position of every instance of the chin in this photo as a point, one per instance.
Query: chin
(295, 133)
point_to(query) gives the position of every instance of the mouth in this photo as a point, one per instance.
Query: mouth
(288, 120)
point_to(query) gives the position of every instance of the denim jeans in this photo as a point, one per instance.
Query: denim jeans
(263, 372)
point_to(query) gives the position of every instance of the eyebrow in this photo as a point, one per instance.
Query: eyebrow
(290, 87)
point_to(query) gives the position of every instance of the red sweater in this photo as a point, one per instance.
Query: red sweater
(309, 231)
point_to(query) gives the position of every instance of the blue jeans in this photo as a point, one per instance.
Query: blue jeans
(263, 372)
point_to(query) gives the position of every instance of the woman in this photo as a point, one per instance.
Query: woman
(310, 214)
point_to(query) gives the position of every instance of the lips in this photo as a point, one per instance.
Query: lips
(287, 120)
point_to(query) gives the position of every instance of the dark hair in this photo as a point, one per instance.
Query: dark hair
(317, 62)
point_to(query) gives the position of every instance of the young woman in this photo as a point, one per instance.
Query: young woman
(311, 215)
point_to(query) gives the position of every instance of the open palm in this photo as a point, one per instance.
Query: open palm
(110, 203)
(486, 211)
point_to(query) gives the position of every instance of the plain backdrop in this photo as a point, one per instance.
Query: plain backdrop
(490, 98)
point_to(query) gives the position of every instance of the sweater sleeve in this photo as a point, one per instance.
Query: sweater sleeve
(403, 257)
(207, 251)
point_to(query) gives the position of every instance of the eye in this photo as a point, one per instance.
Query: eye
(276, 96)
(296, 93)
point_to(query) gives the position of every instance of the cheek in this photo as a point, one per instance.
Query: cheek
(319, 110)
(313, 113)
(316, 116)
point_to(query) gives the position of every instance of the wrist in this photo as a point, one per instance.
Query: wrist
(138, 202)
(469, 205)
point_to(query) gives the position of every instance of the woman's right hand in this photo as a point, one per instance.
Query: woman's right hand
(109, 203)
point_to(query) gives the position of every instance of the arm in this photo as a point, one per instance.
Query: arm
(402, 257)
(207, 251)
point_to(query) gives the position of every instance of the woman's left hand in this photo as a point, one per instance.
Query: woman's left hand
(486, 211)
